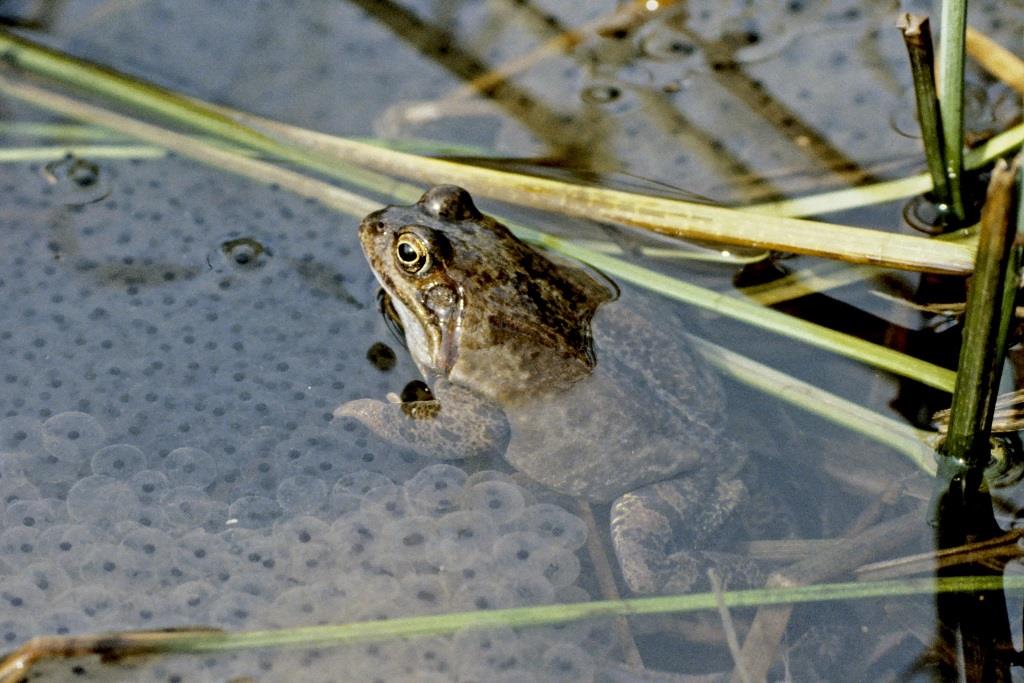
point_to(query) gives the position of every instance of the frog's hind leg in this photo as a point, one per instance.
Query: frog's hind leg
(662, 533)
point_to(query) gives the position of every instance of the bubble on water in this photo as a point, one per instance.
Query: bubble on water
(189, 467)
(463, 538)
(481, 594)
(49, 577)
(348, 491)
(74, 431)
(149, 486)
(435, 489)
(254, 512)
(120, 461)
(301, 494)
(101, 501)
(77, 181)
(189, 507)
(555, 524)
(501, 500)
(37, 514)
(241, 254)
(567, 663)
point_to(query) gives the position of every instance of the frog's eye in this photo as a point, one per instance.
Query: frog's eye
(411, 253)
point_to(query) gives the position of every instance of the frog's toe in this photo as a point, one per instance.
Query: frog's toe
(366, 410)
(379, 417)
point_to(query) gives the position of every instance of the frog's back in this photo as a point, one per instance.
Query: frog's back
(650, 409)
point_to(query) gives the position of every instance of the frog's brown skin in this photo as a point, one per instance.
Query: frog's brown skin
(587, 394)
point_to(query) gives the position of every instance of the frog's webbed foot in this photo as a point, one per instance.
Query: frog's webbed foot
(456, 424)
(662, 532)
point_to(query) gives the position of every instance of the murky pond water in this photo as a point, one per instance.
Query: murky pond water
(176, 339)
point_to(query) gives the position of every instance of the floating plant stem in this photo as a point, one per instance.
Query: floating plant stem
(16, 665)
(658, 214)
(751, 313)
(24, 54)
(917, 36)
(192, 147)
(990, 304)
(996, 59)
(336, 157)
(50, 153)
(916, 444)
(951, 99)
(65, 132)
(889, 190)
(338, 198)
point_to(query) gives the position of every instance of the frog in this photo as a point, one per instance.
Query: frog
(586, 388)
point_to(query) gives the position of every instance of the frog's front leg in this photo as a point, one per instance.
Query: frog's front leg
(457, 423)
(663, 532)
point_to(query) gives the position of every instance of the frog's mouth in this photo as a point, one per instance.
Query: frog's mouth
(432, 352)
(387, 309)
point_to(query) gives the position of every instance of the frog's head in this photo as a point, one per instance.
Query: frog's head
(468, 292)
(409, 250)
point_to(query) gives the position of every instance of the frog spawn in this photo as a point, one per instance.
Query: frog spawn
(116, 538)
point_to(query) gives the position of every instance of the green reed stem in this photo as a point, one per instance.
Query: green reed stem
(114, 645)
(917, 445)
(951, 98)
(917, 36)
(989, 308)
